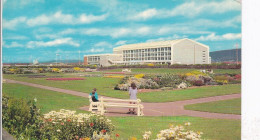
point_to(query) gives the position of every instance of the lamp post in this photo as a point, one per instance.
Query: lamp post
(57, 59)
(79, 57)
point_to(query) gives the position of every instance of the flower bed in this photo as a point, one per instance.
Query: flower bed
(111, 76)
(65, 124)
(114, 73)
(64, 79)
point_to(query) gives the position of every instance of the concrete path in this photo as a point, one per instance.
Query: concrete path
(154, 109)
(6, 135)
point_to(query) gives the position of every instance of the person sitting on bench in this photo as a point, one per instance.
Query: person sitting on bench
(94, 95)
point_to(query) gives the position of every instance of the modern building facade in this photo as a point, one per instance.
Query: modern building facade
(181, 51)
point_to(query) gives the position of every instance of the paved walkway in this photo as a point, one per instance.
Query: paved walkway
(154, 109)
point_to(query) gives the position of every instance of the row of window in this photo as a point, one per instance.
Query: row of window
(148, 50)
(93, 58)
(163, 53)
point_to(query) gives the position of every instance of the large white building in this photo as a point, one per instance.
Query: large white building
(181, 51)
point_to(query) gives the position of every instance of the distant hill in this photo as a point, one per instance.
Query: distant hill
(225, 55)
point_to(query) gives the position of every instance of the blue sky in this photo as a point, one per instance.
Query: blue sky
(39, 29)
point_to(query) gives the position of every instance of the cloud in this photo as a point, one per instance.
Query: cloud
(144, 15)
(11, 24)
(193, 8)
(60, 18)
(187, 9)
(12, 45)
(96, 50)
(214, 37)
(14, 37)
(56, 42)
(103, 44)
(121, 42)
(168, 38)
(14, 4)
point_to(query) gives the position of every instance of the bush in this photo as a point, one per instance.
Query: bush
(168, 80)
(139, 75)
(21, 118)
(65, 124)
(198, 83)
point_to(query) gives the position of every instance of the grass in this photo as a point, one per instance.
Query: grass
(177, 95)
(175, 71)
(105, 87)
(214, 129)
(232, 106)
(46, 100)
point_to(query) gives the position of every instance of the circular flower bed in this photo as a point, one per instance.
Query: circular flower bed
(64, 79)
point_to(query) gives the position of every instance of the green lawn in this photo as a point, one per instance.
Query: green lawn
(232, 106)
(175, 71)
(105, 87)
(126, 126)
(177, 95)
(46, 100)
(214, 129)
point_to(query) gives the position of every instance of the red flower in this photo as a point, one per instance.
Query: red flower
(69, 120)
(103, 131)
(117, 135)
(80, 139)
(62, 123)
(50, 120)
(91, 124)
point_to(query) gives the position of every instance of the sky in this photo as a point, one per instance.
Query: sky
(40, 29)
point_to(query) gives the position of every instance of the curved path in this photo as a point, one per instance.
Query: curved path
(154, 109)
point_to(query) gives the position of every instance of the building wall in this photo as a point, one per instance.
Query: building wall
(85, 60)
(182, 51)
(189, 52)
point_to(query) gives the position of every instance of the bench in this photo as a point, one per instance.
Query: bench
(104, 103)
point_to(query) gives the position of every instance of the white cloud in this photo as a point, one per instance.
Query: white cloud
(147, 14)
(168, 38)
(91, 18)
(56, 42)
(12, 45)
(14, 37)
(60, 18)
(96, 50)
(103, 44)
(187, 9)
(195, 8)
(11, 24)
(214, 37)
(121, 42)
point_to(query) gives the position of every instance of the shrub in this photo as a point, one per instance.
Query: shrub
(139, 75)
(176, 133)
(168, 80)
(76, 68)
(150, 65)
(21, 118)
(65, 124)
(198, 83)
(55, 70)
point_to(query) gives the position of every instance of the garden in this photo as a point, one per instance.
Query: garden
(48, 108)
(63, 124)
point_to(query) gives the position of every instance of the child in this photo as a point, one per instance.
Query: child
(94, 95)
(132, 94)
